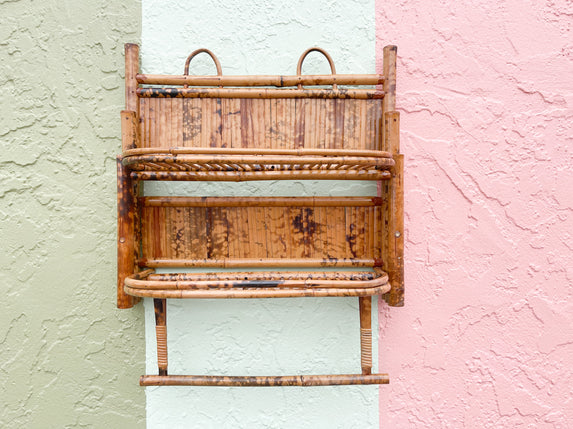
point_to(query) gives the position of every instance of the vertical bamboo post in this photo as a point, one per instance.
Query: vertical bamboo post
(389, 71)
(394, 228)
(127, 190)
(131, 69)
(365, 308)
(125, 234)
(161, 334)
(393, 191)
(130, 138)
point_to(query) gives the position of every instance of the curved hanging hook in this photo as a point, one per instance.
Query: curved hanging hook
(194, 54)
(308, 51)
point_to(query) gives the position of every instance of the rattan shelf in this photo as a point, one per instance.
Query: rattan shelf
(242, 128)
(239, 165)
(267, 284)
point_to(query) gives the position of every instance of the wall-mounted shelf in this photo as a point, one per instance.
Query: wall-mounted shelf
(238, 128)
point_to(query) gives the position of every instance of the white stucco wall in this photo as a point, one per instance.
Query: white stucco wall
(260, 337)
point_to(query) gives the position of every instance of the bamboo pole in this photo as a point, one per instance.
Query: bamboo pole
(262, 381)
(393, 191)
(262, 80)
(395, 256)
(362, 94)
(238, 176)
(389, 70)
(261, 202)
(150, 274)
(395, 213)
(131, 69)
(374, 161)
(256, 263)
(392, 132)
(130, 137)
(125, 234)
(257, 151)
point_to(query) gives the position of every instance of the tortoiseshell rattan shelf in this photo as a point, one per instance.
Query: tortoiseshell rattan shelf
(239, 128)
(248, 164)
(257, 285)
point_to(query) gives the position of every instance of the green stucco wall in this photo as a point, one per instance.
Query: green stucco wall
(68, 357)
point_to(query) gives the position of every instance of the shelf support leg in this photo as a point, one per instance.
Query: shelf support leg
(161, 334)
(365, 307)
(126, 229)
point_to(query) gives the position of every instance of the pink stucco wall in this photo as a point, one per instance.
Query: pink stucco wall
(485, 90)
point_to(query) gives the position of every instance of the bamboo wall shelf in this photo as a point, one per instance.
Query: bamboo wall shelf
(238, 128)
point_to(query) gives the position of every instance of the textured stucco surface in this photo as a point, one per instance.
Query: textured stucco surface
(260, 337)
(486, 95)
(485, 339)
(68, 357)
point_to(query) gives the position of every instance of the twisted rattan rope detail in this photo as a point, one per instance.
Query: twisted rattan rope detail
(366, 348)
(161, 333)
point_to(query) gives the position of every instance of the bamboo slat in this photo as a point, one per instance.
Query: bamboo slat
(321, 229)
(177, 123)
(262, 381)
(260, 123)
(219, 234)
